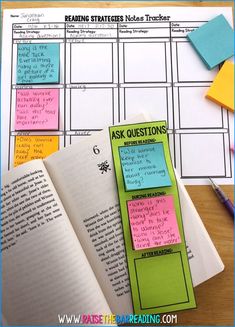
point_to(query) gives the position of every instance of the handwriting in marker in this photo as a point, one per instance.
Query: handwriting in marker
(34, 147)
(38, 63)
(144, 166)
(153, 222)
(37, 109)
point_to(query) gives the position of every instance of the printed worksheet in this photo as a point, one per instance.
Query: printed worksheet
(67, 73)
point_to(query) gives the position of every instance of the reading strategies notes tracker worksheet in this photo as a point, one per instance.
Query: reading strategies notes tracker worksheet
(82, 69)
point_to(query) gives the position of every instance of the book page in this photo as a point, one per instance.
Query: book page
(45, 272)
(83, 175)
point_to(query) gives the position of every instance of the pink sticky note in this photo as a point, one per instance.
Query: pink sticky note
(153, 222)
(37, 109)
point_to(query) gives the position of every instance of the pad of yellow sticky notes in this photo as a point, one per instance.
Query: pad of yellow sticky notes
(34, 147)
(222, 89)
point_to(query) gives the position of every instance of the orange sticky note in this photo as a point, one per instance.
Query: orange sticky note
(222, 89)
(34, 147)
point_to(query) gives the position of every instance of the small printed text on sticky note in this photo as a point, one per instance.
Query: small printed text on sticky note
(153, 222)
(144, 166)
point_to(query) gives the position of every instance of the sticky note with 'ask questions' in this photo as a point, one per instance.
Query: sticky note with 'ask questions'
(37, 109)
(144, 166)
(222, 89)
(213, 41)
(153, 222)
(34, 147)
(38, 63)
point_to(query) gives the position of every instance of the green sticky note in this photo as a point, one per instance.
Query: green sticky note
(159, 272)
(38, 63)
(144, 166)
(167, 281)
(213, 41)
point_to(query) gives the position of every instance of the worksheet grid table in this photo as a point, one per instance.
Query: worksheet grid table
(110, 71)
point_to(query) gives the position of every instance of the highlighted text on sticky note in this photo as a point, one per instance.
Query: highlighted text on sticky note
(153, 222)
(144, 166)
(34, 147)
(38, 63)
(37, 109)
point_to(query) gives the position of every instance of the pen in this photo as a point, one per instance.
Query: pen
(223, 197)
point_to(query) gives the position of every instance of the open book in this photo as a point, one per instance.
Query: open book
(62, 241)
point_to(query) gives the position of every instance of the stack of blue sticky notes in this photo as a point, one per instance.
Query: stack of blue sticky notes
(213, 41)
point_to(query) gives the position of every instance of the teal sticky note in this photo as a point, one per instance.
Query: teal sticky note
(38, 63)
(144, 166)
(213, 41)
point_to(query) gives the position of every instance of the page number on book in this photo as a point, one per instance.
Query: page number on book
(96, 150)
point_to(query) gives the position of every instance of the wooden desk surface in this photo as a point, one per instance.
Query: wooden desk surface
(215, 302)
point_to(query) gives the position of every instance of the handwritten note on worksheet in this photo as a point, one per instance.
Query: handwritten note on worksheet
(144, 166)
(34, 147)
(153, 222)
(37, 109)
(38, 63)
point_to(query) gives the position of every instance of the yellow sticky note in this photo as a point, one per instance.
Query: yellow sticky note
(222, 89)
(34, 147)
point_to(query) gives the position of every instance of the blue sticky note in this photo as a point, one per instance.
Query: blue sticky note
(213, 41)
(144, 166)
(38, 63)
